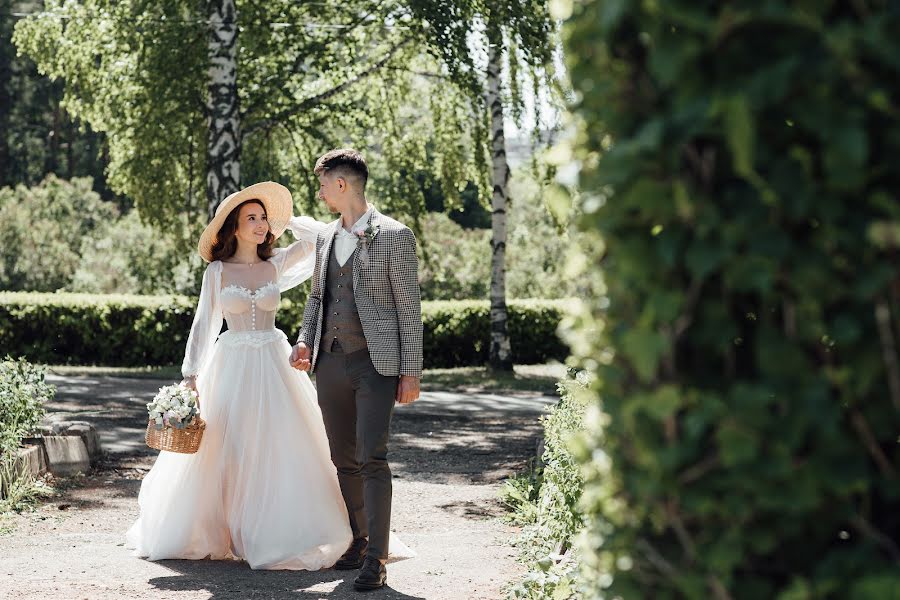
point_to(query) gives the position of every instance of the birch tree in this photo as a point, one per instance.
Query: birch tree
(520, 38)
(201, 97)
(223, 153)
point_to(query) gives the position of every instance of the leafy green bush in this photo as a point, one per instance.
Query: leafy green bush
(23, 393)
(457, 333)
(736, 158)
(43, 228)
(114, 330)
(545, 503)
(59, 235)
(456, 262)
(121, 330)
(126, 256)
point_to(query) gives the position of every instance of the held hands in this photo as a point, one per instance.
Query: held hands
(408, 389)
(300, 356)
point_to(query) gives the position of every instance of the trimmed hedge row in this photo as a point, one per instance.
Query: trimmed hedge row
(121, 330)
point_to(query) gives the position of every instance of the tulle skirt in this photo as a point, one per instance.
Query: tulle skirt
(262, 486)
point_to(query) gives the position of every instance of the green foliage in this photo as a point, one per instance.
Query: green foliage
(19, 489)
(310, 77)
(546, 504)
(736, 157)
(457, 333)
(121, 330)
(127, 256)
(23, 393)
(37, 136)
(456, 262)
(62, 236)
(114, 330)
(43, 230)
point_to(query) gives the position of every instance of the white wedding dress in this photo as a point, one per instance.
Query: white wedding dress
(262, 486)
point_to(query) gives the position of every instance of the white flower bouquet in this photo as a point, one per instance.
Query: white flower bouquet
(173, 406)
(174, 420)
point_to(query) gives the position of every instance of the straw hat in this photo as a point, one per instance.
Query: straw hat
(274, 197)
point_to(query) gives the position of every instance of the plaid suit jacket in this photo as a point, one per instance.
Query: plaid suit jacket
(387, 297)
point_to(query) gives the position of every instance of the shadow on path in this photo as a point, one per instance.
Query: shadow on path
(233, 580)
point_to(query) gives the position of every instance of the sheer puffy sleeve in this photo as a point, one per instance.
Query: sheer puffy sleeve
(207, 321)
(295, 263)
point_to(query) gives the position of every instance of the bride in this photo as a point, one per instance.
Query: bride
(262, 486)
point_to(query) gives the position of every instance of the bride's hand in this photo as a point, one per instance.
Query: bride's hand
(300, 355)
(190, 382)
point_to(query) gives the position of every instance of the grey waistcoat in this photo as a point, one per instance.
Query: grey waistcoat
(341, 320)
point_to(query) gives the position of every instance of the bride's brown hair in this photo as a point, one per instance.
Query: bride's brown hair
(226, 242)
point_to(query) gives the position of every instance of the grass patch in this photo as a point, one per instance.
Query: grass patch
(172, 372)
(524, 378)
(21, 490)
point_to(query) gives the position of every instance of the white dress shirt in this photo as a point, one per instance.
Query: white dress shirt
(345, 241)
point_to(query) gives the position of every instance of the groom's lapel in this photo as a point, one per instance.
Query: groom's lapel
(357, 256)
(329, 234)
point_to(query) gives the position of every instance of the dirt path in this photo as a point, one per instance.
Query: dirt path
(449, 454)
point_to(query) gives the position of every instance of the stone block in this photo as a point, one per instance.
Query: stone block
(67, 454)
(49, 428)
(29, 459)
(32, 459)
(88, 435)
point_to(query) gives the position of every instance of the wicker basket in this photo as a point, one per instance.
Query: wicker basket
(184, 441)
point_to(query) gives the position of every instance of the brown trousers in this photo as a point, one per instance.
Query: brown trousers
(357, 403)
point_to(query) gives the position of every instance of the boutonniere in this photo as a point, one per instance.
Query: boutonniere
(366, 235)
(363, 238)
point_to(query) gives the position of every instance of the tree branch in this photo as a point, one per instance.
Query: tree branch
(888, 349)
(868, 530)
(427, 74)
(718, 590)
(681, 531)
(699, 469)
(871, 444)
(319, 98)
(657, 559)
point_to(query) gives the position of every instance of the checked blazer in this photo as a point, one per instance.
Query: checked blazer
(386, 290)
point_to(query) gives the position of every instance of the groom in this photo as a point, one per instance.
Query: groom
(362, 335)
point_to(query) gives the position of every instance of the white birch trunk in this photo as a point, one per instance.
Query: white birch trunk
(223, 147)
(500, 354)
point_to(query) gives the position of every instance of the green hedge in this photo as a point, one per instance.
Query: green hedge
(739, 187)
(119, 330)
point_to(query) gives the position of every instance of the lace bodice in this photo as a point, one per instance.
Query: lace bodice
(247, 310)
(247, 297)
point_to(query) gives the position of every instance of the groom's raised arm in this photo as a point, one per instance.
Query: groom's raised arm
(405, 285)
(313, 303)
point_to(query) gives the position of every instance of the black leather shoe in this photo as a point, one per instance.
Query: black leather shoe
(372, 576)
(354, 556)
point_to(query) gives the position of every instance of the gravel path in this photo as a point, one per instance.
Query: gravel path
(449, 454)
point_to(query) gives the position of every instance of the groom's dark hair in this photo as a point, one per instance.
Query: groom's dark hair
(346, 163)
